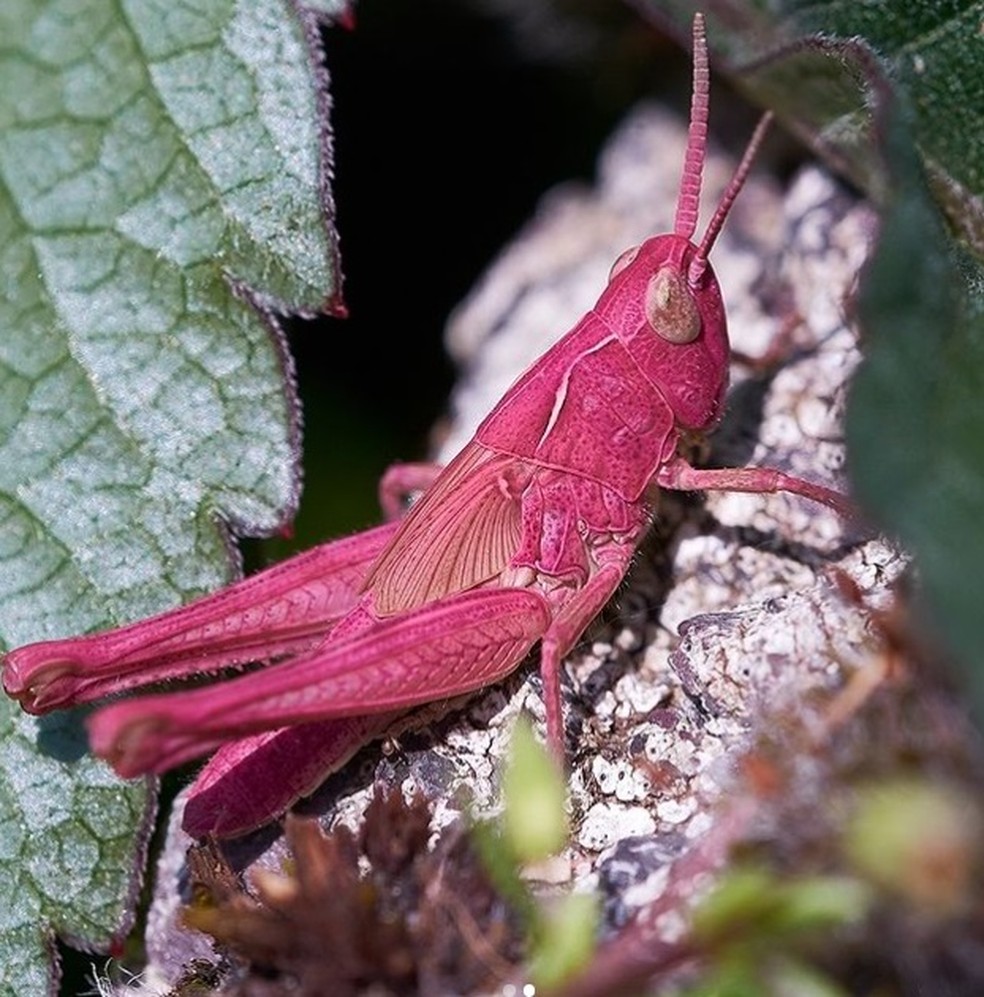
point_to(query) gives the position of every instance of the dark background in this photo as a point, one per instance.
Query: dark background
(450, 120)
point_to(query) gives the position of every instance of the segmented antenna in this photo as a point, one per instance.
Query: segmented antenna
(699, 263)
(688, 202)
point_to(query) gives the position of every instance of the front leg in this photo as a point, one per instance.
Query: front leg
(679, 475)
(399, 482)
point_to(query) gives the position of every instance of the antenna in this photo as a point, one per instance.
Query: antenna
(699, 262)
(688, 202)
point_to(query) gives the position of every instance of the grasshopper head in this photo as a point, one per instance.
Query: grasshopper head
(675, 330)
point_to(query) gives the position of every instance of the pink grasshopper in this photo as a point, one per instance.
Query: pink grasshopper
(523, 537)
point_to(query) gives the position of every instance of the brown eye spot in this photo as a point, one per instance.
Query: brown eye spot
(670, 307)
(622, 262)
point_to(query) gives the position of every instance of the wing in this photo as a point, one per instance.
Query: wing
(463, 531)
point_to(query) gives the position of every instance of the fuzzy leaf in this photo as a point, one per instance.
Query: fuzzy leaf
(160, 194)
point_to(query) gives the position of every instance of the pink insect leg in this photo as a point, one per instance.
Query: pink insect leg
(681, 476)
(281, 611)
(443, 649)
(400, 481)
(248, 781)
(563, 634)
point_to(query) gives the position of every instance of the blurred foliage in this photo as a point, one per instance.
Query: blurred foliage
(759, 928)
(918, 842)
(560, 930)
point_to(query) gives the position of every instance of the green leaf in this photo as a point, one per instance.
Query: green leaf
(791, 978)
(565, 939)
(501, 865)
(754, 923)
(70, 846)
(534, 821)
(919, 841)
(915, 425)
(752, 905)
(780, 977)
(160, 197)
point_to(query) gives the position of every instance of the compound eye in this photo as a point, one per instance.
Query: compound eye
(622, 262)
(670, 307)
